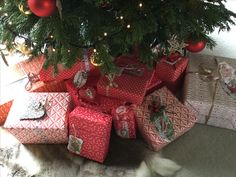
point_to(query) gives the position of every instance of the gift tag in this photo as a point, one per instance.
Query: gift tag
(80, 79)
(88, 93)
(33, 110)
(74, 144)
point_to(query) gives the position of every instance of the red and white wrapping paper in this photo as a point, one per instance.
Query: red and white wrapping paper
(129, 88)
(181, 117)
(124, 121)
(52, 129)
(94, 129)
(170, 72)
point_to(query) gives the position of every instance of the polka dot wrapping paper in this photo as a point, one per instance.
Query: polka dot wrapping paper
(93, 128)
(129, 88)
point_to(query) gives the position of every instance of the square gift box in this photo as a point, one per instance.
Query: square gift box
(92, 129)
(181, 118)
(50, 129)
(212, 100)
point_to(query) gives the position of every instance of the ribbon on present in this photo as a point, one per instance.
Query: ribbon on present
(131, 69)
(111, 82)
(32, 78)
(74, 144)
(159, 117)
(208, 75)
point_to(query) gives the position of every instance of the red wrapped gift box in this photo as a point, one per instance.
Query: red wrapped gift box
(181, 117)
(129, 87)
(50, 129)
(93, 129)
(171, 71)
(124, 121)
(65, 73)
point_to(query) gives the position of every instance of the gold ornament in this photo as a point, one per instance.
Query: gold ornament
(25, 12)
(24, 49)
(93, 61)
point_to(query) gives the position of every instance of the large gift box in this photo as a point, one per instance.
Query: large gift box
(207, 93)
(89, 133)
(131, 85)
(39, 118)
(171, 118)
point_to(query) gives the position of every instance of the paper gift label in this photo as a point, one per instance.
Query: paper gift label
(74, 144)
(80, 79)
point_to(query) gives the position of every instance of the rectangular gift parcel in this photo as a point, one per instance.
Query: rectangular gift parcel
(199, 92)
(179, 115)
(93, 129)
(50, 129)
(127, 86)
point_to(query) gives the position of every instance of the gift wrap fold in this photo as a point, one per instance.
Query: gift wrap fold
(179, 115)
(93, 128)
(208, 95)
(50, 129)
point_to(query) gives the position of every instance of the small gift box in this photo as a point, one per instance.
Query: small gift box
(124, 121)
(206, 90)
(130, 86)
(89, 133)
(162, 118)
(170, 71)
(39, 118)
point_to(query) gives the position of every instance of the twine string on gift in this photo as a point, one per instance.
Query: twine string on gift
(111, 82)
(206, 75)
(32, 78)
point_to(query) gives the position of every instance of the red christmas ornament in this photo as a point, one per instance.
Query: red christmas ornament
(196, 47)
(42, 8)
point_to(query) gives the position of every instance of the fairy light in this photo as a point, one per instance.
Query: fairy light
(105, 34)
(0, 8)
(140, 4)
(121, 17)
(10, 23)
(54, 50)
(68, 50)
(5, 14)
(51, 36)
(94, 50)
(128, 26)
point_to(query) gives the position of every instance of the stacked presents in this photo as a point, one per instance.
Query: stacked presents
(83, 112)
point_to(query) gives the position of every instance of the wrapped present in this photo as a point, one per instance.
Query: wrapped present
(4, 110)
(39, 118)
(131, 85)
(170, 71)
(154, 83)
(162, 118)
(207, 90)
(89, 133)
(124, 121)
(67, 73)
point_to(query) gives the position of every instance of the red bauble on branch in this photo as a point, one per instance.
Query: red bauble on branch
(196, 47)
(42, 8)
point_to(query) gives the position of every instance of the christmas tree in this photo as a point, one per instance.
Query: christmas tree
(63, 29)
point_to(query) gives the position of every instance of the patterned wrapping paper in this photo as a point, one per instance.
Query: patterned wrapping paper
(4, 110)
(65, 73)
(154, 83)
(39, 86)
(93, 128)
(171, 73)
(181, 117)
(124, 121)
(129, 88)
(52, 129)
(198, 94)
